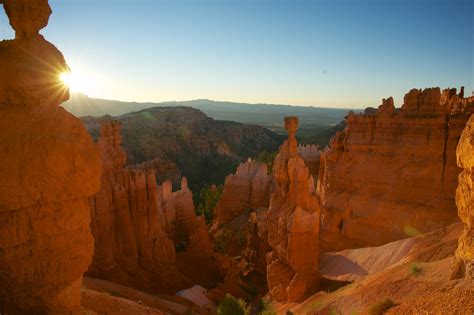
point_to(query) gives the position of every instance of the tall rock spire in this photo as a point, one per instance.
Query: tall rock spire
(293, 225)
(49, 167)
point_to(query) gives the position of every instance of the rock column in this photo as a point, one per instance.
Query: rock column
(49, 166)
(293, 225)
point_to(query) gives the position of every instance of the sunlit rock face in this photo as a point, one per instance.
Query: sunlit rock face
(248, 189)
(465, 201)
(392, 173)
(293, 225)
(49, 166)
(137, 225)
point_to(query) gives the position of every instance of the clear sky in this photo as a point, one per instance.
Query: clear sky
(330, 53)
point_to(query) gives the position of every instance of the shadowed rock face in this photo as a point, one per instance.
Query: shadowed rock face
(465, 199)
(293, 225)
(392, 173)
(50, 168)
(137, 225)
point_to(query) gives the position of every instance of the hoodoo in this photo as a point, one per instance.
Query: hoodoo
(49, 167)
(293, 224)
(138, 225)
(392, 173)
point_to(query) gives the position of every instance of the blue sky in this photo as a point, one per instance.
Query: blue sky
(335, 53)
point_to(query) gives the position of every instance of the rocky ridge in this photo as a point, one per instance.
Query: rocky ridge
(392, 173)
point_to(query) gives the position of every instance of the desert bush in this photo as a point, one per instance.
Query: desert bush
(267, 158)
(381, 307)
(232, 306)
(207, 201)
(415, 269)
(266, 308)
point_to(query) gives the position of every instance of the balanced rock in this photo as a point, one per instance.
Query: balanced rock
(293, 225)
(49, 168)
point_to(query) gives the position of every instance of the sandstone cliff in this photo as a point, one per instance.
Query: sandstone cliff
(49, 167)
(293, 225)
(465, 201)
(392, 172)
(137, 225)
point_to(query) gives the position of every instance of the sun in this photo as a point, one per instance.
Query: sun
(78, 81)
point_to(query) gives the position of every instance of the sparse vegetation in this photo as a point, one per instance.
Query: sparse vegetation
(232, 306)
(208, 198)
(267, 158)
(315, 306)
(415, 269)
(266, 308)
(381, 307)
(411, 231)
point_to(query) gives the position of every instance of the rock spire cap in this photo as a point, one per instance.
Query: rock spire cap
(27, 17)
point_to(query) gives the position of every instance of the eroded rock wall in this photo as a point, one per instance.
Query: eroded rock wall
(49, 167)
(392, 172)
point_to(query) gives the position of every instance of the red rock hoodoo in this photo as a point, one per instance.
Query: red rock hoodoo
(465, 200)
(248, 189)
(293, 225)
(392, 172)
(49, 167)
(137, 225)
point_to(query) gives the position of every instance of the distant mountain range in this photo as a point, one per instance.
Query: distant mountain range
(266, 115)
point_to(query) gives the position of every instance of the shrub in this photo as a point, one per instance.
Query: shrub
(266, 308)
(415, 269)
(231, 306)
(267, 158)
(381, 307)
(208, 198)
(289, 313)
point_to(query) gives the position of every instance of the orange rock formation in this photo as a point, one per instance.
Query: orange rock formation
(49, 167)
(465, 200)
(248, 189)
(137, 225)
(293, 224)
(311, 156)
(392, 172)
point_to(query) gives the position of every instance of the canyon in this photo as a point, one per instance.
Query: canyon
(96, 216)
(184, 141)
